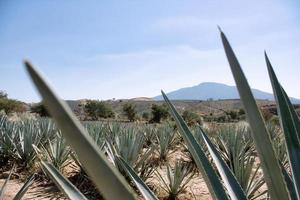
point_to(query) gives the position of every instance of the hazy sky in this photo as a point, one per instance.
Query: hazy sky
(124, 49)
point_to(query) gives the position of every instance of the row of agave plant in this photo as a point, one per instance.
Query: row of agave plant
(145, 148)
(223, 171)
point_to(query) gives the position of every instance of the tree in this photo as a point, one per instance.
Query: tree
(39, 109)
(159, 112)
(3, 95)
(191, 118)
(11, 105)
(146, 116)
(241, 111)
(233, 114)
(98, 109)
(130, 111)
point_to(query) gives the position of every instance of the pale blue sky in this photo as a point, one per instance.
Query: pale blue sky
(124, 49)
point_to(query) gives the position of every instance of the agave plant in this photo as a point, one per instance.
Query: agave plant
(129, 145)
(56, 152)
(150, 134)
(8, 132)
(18, 137)
(237, 150)
(97, 131)
(165, 137)
(177, 179)
(47, 129)
(277, 138)
(28, 134)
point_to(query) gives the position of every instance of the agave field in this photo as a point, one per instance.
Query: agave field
(110, 160)
(156, 153)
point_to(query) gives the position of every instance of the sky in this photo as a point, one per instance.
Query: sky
(131, 48)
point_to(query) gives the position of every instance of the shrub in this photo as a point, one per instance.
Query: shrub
(11, 105)
(159, 112)
(3, 94)
(146, 116)
(241, 111)
(98, 109)
(191, 118)
(233, 115)
(130, 111)
(40, 110)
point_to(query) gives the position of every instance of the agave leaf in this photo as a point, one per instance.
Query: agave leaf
(272, 172)
(234, 189)
(143, 188)
(213, 182)
(24, 188)
(109, 182)
(289, 183)
(294, 114)
(288, 124)
(62, 183)
(2, 190)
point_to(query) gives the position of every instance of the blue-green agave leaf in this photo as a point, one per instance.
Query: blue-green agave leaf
(107, 179)
(271, 169)
(211, 179)
(3, 188)
(288, 123)
(289, 183)
(139, 183)
(62, 183)
(24, 188)
(234, 188)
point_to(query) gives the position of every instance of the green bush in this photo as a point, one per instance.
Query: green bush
(241, 111)
(191, 118)
(233, 115)
(39, 109)
(3, 94)
(11, 105)
(159, 112)
(146, 116)
(98, 109)
(130, 111)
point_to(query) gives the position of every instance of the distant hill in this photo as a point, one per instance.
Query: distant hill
(216, 91)
(142, 99)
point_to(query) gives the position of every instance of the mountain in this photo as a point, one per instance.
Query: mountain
(216, 91)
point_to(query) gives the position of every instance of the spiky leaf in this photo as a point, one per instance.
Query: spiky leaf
(24, 188)
(234, 189)
(213, 182)
(111, 184)
(143, 188)
(288, 123)
(62, 183)
(272, 172)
